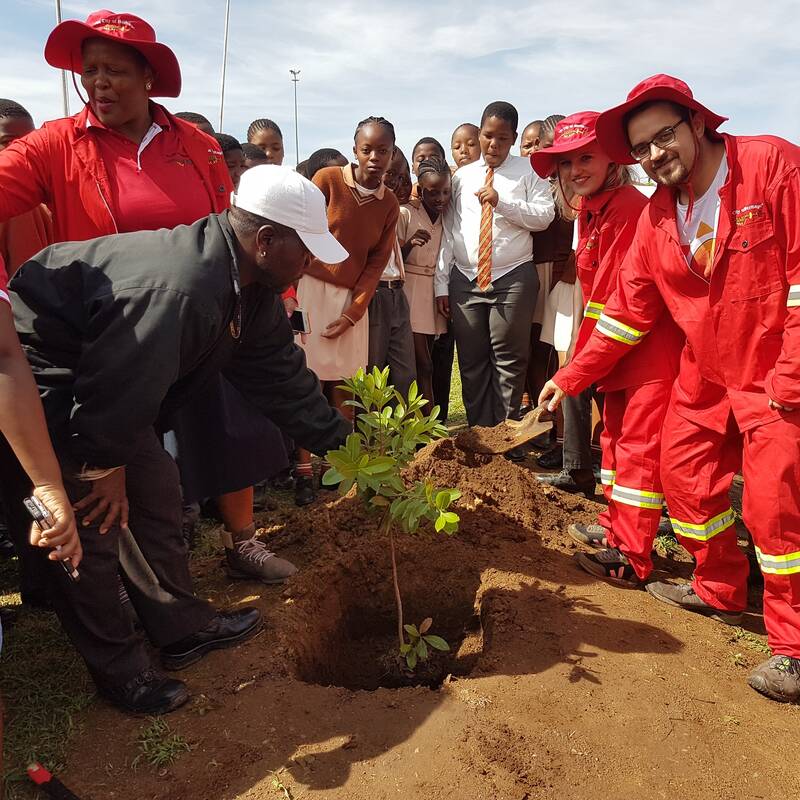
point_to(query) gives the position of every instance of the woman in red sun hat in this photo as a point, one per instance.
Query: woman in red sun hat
(637, 390)
(123, 163)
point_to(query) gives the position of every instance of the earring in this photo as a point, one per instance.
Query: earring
(148, 86)
(263, 254)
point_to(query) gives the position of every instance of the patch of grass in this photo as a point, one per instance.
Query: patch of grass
(158, 745)
(751, 640)
(666, 545)
(44, 685)
(457, 415)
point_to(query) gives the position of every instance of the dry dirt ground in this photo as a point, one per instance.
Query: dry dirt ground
(559, 686)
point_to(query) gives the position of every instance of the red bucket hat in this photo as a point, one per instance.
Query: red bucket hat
(572, 133)
(611, 131)
(63, 48)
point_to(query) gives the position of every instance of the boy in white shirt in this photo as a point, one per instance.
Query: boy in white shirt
(486, 280)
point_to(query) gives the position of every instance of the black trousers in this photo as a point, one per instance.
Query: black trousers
(391, 341)
(578, 428)
(442, 353)
(150, 557)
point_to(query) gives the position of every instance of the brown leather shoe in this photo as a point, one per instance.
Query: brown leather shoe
(777, 678)
(683, 596)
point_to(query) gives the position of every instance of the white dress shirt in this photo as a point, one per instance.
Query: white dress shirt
(525, 204)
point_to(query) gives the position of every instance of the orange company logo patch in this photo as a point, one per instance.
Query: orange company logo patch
(749, 214)
(214, 156)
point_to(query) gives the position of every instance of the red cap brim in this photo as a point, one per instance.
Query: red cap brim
(63, 51)
(611, 131)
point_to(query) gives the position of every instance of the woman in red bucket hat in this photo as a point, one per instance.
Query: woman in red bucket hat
(125, 164)
(718, 249)
(636, 391)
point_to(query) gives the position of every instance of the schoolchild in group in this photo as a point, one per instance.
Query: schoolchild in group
(198, 120)
(531, 139)
(419, 231)
(266, 135)
(637, 390)
(442, 347)
(253, 155)
(363, 214)
(486, 280)
(465, 145)
(324, 157)
(233, 155)
(391, 341)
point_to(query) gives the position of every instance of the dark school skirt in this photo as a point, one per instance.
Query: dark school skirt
(222, 443)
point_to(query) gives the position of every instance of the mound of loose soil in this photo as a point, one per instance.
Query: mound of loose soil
(556, 685)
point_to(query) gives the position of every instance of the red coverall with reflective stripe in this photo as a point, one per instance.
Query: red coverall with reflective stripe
(636, 390)
(742, 348)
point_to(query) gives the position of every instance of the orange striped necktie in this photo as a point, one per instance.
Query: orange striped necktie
(484, 279)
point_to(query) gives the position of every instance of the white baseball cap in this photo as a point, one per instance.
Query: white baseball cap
(282, 195)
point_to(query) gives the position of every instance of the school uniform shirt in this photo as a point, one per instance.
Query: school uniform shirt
(420, 267)
(525, 204)
(365, 226)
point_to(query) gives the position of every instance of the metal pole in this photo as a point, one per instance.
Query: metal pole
(64, 91)
(224, 64)
(295, 73)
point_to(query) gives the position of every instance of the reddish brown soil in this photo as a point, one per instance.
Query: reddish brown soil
(561, 687)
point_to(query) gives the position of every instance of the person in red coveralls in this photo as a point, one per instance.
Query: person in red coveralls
(637, 389)
(125, 164)
(718, 248)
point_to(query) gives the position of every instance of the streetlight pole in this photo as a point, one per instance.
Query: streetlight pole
(224, 64)
(64, 92)
(295, 73)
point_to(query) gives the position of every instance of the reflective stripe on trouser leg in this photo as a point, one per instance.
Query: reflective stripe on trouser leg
(771, 511)
(697, 469)
(633, 418)
(704, 531)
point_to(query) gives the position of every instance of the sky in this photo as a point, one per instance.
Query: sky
(429, 65)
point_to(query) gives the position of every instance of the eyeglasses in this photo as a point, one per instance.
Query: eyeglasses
(662, 139)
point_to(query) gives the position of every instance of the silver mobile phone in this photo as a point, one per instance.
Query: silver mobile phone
(299, 321)
(44, 519)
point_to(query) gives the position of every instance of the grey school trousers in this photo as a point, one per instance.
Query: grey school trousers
(391, 341)
(492, 331)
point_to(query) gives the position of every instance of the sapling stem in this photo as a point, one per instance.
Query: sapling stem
(398, 599)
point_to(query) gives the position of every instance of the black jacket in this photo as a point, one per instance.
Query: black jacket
(120, 330)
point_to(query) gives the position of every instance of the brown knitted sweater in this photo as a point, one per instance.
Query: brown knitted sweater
(365, 225)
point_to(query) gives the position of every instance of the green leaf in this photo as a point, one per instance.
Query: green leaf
(379, 501)
(422, 650)
(411, 659)
(411, 630)
(440, 523)
(450, 516)
(332, 477)
(437, 642)
(404, 649)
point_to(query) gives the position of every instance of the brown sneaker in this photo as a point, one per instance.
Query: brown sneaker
(248, 557)
(777, 678)
(591, 535)
(683, 596)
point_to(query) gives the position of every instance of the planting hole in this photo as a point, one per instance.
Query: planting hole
(351, 639)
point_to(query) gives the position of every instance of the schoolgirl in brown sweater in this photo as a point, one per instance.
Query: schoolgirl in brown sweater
(362, 215)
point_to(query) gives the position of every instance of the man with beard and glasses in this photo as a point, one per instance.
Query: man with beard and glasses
(718, 248)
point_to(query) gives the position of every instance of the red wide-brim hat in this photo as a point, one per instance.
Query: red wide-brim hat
(611, 132)
(571, 134)
(63, 48)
